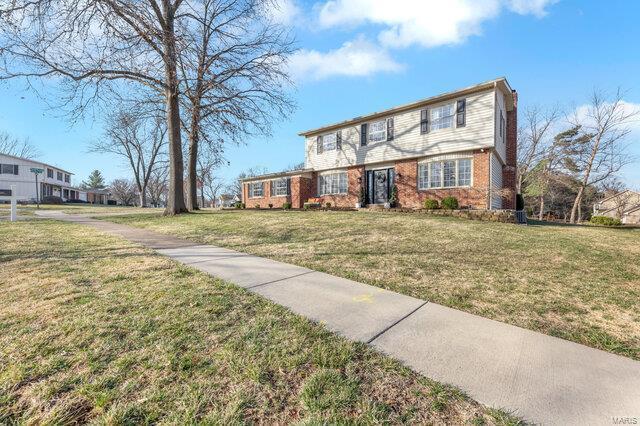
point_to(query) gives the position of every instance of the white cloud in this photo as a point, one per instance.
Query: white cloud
(357, 58)
(428, 23)
(285, 11)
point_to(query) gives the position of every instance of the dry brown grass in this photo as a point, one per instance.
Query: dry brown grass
(578, 283)
(95, 329)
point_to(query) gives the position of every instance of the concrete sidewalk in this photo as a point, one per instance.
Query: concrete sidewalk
(537, 377)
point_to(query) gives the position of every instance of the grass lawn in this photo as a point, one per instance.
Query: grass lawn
(72, 208)
(578, 283)
(95, 329)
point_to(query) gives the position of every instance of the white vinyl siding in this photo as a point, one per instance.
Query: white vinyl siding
(256, 189)
(449, 173)
(332, 183)
(408, 142)
(496, 182)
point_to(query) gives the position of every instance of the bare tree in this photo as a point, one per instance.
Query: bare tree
(124, 191)
(157, 187)
(600, 152)
(234, 78)
(534, 142)
(11, 145)
(88, 45)
(209, 159)
(235, 187)
(139, 139)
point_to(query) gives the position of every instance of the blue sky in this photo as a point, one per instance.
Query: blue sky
(359, 56)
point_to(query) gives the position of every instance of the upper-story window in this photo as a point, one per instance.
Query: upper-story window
(444, 174)
(442, 117)
(59, 175)
(334, 183)
(280, 187)
(9, 169)
(256, 189)
(50, 173)
(67, 178)
(329, 142)
(378, 131)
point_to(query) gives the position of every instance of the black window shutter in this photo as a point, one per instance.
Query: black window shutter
(15, 169)
(272, 188)
(363, 134)
(424, 121)
(461, 113)
(319, 144)
(390, 129)
(339, 140)
(288, 186)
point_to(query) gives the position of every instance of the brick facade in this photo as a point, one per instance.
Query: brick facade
(410, 196)
(510, 168)
(263, 202)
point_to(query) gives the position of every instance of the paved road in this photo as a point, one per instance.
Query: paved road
(539, 378)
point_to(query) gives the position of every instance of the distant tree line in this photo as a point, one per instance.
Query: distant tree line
(567, 162)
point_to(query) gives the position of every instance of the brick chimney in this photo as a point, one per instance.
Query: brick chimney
(510, 169)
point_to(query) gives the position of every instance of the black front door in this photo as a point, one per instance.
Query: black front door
(379, 184)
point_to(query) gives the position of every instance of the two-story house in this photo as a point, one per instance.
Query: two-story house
(461, 143)
(53, 181)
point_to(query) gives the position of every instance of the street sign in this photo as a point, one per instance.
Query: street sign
(36, 170)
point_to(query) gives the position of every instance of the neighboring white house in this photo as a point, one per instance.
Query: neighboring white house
(53, 181)
(624, 205)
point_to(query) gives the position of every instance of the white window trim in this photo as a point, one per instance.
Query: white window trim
(454, 124)
(384, 131)
(335, 141)
(427, 164)
(250, 190)
(286, 186)
(324, 175)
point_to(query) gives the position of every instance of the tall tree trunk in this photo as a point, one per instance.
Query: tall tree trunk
(175, 199)
(576, 204)
(541, 214)
(192, 171)
(143, 196)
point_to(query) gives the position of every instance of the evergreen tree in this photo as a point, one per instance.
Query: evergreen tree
(95, 181)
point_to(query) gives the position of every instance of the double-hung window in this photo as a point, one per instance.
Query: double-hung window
(329, 142)
(50, 173)
(59, 176)
(67, 178)
(255, 189)
(378, 131)
(441, 117)
(444, 174)
(334, 183)
(9, 169)
(280, 187)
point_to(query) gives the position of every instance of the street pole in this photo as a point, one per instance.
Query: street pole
(37, 193)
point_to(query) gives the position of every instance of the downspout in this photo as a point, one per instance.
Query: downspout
(489, 204)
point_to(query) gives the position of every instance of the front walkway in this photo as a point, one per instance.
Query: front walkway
(540, 378)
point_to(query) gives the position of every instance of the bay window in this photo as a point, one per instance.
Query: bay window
(445, 174)
(333, 183)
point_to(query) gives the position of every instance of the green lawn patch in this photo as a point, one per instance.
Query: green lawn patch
(94, 329)
(580, 283)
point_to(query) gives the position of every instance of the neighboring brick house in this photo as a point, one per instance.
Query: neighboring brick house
(461, 143)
